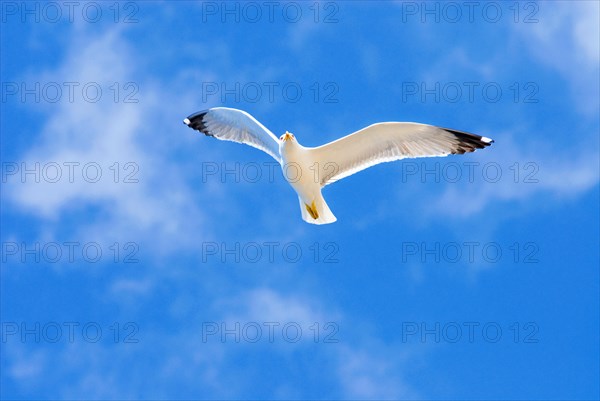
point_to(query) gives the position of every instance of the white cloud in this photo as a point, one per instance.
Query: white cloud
(370, 373)
(25, 365)
(132, 286)
(141, 137)
(369, 57)
(567, 39)
(362, 370)
(461, 62)
(264, 304)
(525, 174)
(356, 367)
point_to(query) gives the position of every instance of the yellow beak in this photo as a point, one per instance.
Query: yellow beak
(287, 136)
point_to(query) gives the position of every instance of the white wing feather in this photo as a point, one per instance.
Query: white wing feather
(236, 126)
(386, 142)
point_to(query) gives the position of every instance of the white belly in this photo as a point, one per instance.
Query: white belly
(301, 172)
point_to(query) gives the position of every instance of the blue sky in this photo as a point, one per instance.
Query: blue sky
(143, 260)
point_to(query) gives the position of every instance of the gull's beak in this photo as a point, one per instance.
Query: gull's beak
(287, 136)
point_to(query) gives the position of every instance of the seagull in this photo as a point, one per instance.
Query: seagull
(308, 169)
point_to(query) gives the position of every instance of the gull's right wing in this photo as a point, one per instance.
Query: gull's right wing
(236, 126)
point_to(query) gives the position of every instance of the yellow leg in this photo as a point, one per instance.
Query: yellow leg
(312, 210)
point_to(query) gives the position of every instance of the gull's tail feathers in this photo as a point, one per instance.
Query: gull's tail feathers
(317, 212)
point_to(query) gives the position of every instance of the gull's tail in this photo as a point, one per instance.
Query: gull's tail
(317, 212)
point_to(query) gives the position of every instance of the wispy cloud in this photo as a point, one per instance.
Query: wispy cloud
(144, 192)
(567, 39)
(368, 373)
(526, 174)
(358, 367)
(361, 369)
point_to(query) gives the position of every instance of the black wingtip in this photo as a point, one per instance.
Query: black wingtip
(468, 142)
(196, 122)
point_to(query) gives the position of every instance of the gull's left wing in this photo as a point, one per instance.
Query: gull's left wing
(236, 126)
(386, 142)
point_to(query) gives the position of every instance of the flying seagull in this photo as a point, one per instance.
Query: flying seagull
(308, 170)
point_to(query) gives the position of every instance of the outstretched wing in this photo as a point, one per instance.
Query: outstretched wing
(236, 126)
(386, 142)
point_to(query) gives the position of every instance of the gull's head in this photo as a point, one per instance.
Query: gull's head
(288, 136)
